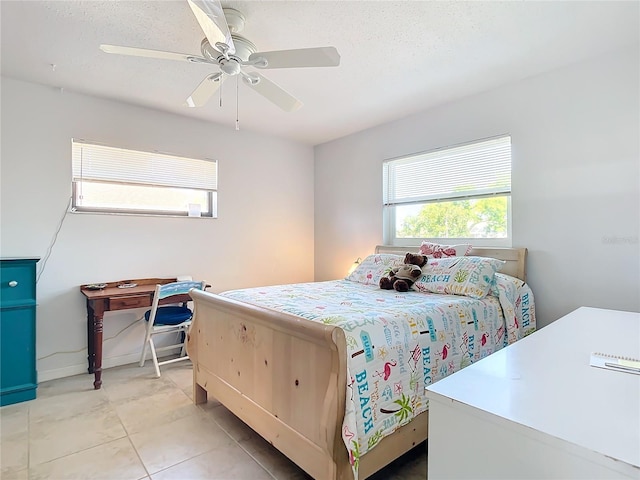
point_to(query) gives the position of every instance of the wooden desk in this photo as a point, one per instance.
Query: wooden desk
(112, 298)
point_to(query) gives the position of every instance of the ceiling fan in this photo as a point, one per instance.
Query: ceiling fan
(230, 52)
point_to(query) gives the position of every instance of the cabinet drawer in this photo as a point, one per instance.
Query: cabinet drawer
(18, 283)
(121, 303)
(18, 378)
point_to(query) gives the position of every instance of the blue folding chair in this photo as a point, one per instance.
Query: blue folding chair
(174, 319)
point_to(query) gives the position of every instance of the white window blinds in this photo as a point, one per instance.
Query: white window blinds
(91, 162)
(472, 170)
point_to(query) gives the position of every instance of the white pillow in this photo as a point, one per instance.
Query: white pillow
(375, 266)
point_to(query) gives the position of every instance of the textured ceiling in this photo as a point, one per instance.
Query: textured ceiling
(397, 58)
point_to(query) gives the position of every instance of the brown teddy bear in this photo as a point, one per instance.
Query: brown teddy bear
(400, 278)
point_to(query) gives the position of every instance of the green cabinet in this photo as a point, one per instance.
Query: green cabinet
(18, 376)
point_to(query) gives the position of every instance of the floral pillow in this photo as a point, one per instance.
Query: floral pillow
(468, 276)
(373, 267)
(436, 250)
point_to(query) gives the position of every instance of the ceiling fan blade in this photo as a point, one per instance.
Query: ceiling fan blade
(143, 52)
(211, 18)
(205, 90)
(303, 57)
(275, 94)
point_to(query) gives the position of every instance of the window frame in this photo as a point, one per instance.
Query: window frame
(389, 210)
(211, 203)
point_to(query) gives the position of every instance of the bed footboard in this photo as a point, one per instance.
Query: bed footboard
(283, 376)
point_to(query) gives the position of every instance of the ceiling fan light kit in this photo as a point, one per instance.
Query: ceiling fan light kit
(224, 48)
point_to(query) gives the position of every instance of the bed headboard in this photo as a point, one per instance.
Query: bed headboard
(515, 258)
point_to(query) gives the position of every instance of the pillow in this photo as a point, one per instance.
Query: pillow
(468, 276)
(435, 250)
(506, 285)
(373, 267)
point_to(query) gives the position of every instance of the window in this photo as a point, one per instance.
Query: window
(115, 180)
(462, 192)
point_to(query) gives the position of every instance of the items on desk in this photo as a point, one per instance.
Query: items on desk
(615, 362)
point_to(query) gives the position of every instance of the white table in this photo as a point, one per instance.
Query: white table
(537, 410)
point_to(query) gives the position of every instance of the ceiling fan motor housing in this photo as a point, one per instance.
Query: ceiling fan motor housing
(244, 48)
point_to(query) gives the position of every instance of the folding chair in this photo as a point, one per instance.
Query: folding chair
(168, 319)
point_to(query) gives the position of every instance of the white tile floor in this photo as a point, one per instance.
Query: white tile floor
(141, 427)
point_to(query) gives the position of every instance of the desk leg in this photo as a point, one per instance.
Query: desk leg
(96, 314)
(91, 352)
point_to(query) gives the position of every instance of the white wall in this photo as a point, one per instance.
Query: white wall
(264, 219)
(575, 180)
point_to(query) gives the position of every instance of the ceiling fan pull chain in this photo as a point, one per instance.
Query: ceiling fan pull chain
(237, 102)
(220, 91)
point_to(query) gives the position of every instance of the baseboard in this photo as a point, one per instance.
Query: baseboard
(46, 375)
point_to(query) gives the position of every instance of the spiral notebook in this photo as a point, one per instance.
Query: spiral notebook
(615, 362)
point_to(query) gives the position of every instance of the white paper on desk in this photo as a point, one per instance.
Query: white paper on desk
(601, 360)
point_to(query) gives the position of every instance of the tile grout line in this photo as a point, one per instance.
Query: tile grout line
(115, 410)
(238, 443)
(138, 456)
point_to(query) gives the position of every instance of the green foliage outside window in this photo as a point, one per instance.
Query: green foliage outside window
(471, 218)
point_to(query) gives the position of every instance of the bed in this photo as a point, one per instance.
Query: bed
(291, 375)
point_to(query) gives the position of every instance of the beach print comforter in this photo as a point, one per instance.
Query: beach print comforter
(398, 343)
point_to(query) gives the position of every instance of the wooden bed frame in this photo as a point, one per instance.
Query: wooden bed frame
(286, 378)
